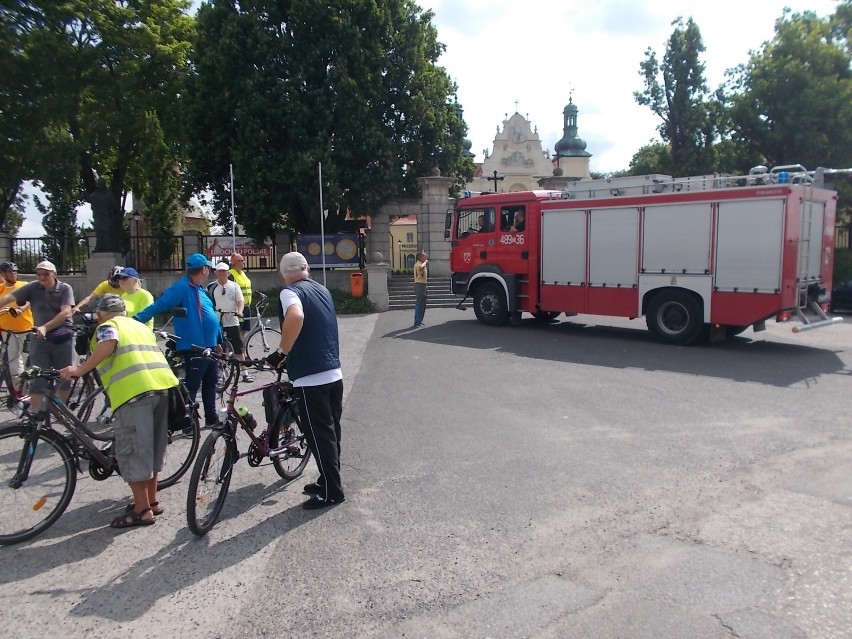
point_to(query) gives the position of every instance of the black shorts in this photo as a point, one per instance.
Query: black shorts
(232, 334)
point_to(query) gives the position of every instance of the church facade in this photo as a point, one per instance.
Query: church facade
(518, 162)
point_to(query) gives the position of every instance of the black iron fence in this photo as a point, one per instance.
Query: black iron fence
(841, 237)
(68, 255)
(156, 253)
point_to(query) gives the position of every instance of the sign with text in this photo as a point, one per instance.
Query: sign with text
(257, 256)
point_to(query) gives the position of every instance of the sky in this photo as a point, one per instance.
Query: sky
(541, 52)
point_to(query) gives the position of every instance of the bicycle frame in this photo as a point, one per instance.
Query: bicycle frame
(262, 443)
(15, 396)
(53, 406)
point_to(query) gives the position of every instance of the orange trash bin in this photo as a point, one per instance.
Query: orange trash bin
(356, 284)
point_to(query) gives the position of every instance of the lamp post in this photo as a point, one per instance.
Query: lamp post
(399, 255)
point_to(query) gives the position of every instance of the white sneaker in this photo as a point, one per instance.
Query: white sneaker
(247, 378)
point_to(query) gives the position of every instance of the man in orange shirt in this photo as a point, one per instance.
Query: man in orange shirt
(14, 318)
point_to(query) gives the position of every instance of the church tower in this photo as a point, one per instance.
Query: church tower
(571, 155)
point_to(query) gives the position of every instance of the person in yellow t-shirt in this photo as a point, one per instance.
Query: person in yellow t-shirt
(109, 285)
(14, 318)
(135, 297)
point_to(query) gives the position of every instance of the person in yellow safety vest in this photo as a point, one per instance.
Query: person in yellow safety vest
(242, 279)
(14, 318)
(136, 378)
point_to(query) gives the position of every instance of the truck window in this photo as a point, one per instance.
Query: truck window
(479, 220)
(512, 218)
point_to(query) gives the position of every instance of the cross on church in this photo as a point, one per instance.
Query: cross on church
(495, 179)
(516, 106)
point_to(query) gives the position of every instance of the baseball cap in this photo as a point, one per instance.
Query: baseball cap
(8, 266)
(129, 271)
(223, 266)
(46, 266)
(197, 260)
(294, 261)
(110, 303)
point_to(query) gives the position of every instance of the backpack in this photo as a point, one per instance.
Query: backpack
(181, 408)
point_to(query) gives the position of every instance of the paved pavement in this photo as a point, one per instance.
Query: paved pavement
(566, 480)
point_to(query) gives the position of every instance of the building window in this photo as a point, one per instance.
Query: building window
(409, 238)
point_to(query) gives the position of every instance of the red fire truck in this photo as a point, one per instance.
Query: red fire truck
(700, 258)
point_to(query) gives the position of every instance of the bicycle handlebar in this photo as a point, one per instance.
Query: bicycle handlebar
(209, 353)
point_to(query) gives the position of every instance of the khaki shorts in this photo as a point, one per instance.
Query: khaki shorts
(141, 436)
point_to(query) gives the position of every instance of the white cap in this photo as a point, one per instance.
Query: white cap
(292, 262)
(223, 266)
(46, 266)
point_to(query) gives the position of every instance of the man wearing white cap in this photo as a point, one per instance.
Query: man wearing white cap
(52, 302)
(310, 346)
(229, 303)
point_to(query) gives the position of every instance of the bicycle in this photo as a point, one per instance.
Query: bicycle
(83, 388)
(39, 464)
(283, 442)
(262, 339)
(226, 373)
(17, 396)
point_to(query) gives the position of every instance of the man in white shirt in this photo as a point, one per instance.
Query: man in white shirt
(229, 303)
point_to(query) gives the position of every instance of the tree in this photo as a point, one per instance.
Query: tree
(792, 102)
(676, 92)
(654, 157)
(281, 87)
(97, 86)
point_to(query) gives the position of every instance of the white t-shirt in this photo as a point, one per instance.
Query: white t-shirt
(225, 298)
(288, 298)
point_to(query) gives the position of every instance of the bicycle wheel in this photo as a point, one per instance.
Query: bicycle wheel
(293, 460)
(208, 485)
(30, 507)
(96, 415)
(261, 342)
(227, 371)
(183, 444)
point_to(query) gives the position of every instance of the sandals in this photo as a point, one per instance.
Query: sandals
(131, 519)
(156, 509)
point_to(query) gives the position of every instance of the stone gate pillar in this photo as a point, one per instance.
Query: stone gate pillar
(431, 222)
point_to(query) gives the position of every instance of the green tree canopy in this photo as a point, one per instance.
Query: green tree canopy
(792, 102)
(676, 91)
(93, 90)
(281, 86)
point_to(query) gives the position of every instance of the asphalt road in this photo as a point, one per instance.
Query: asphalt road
(542, 481)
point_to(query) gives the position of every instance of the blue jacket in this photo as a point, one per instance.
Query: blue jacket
(200, 327)
(317, 348)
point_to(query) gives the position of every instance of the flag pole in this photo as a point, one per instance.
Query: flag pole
(233, 216)
(322, 226)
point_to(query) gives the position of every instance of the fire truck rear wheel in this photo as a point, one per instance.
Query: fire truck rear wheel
(675, 317)
(489, 304)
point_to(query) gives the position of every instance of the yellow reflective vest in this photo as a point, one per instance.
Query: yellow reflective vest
(244, 283)
(136, 365)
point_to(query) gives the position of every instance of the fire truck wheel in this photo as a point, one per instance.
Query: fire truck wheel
(674, 317)
(489, 304)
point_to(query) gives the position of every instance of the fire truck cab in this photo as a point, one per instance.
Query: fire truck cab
(702, 257)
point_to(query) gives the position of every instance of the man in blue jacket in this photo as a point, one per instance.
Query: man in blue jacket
(200, 327)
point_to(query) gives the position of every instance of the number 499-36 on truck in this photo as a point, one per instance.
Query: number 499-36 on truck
(700, 258)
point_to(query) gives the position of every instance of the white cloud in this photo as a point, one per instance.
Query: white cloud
(499, 51)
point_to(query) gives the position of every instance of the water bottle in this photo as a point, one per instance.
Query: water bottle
(247, 417)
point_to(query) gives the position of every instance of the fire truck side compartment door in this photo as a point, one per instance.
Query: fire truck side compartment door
(748, 245)
(677, 238)
(613, 247)
(563, 247)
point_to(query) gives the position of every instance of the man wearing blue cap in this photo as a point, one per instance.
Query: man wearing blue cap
(200, 327)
